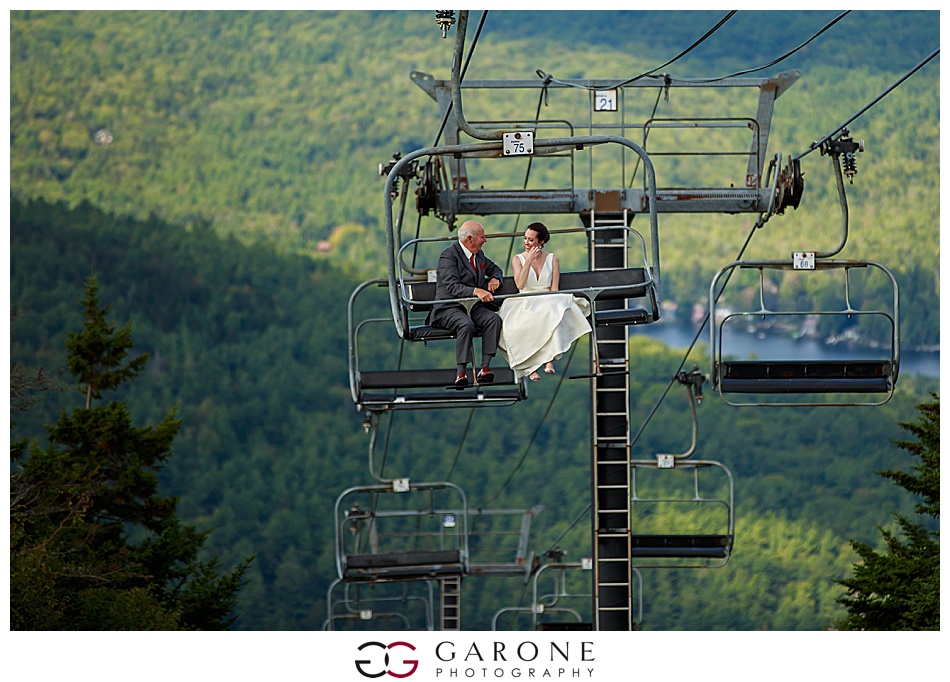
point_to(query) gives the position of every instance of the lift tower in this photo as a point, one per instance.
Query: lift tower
(606, 213)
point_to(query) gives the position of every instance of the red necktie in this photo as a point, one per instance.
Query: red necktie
(472, 261)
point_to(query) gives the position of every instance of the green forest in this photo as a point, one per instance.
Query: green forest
(235, 204)
(250, 347)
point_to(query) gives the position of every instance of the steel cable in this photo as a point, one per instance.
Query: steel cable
(774, 61)
(649, 73)
(524, 455)
(815, 145)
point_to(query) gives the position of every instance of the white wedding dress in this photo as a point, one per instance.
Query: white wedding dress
(537, 329)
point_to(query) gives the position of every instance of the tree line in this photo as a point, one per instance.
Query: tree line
(248, 346)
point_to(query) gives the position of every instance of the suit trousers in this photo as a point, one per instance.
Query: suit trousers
(482, 321)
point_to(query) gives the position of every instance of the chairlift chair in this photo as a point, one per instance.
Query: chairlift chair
(801, 381)
(367, 550)
(695, 549)
(410, 388)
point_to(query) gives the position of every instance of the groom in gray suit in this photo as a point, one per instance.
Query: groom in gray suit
(464, 271)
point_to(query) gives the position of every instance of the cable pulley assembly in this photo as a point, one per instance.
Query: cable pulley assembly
(445, 18)
(407, 172)
(693, 380)
(427, 195)
(846, 148)
(790, 186)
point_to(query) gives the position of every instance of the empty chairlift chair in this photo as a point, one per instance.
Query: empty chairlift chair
(869, 366)
(401, 531)
(698, 528)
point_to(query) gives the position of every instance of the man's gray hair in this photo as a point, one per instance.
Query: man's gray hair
(467, 230)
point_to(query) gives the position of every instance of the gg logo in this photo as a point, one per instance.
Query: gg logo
(385, 670)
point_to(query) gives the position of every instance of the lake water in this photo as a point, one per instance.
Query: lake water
(680, 335)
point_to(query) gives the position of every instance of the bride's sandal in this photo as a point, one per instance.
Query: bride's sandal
(533, 376)
(549, 368)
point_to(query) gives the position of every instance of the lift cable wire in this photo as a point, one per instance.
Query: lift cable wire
(570, 528)
(537, 430)
(448, 111)
(537, 117)
(524, 591)
(650, 73)
(774, 61)
(759, 223)
(815, 145)
(458, 453)
(685, 52)
(646, 134)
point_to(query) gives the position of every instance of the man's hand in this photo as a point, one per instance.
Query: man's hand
(484, 296)
(493, 284)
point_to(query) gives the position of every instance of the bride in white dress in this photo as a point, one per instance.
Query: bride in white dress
(536, 330)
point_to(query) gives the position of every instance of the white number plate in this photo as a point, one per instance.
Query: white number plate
(605, 100)
(803, 260)
(518, 143)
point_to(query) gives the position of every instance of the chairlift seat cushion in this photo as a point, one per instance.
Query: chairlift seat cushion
(810, 376)
(393, 559)
(395, 566)
(428, 332)
(630, 279)
(565, 626)
(447, 398)
(681, 546)
(622, 318)
(427, 378)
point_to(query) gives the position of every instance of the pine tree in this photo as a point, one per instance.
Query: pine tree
(93, 544)
(899, 588)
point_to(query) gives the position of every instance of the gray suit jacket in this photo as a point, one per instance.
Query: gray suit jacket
(457, 279)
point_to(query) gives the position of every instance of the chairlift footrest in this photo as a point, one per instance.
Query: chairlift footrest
(622, 318)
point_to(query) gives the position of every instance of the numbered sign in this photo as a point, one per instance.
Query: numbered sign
(605, 100)
(803, 260)
(518, 143)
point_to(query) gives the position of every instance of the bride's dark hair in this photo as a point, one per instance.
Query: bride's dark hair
(541, 230)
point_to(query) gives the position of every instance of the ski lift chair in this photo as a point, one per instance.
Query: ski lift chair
(799, 381)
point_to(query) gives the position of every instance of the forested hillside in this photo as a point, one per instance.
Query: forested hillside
(217, 172)
(250, 344)
(270, 125)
